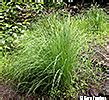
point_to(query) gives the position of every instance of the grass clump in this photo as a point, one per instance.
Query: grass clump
(48, 59)
(96, 20)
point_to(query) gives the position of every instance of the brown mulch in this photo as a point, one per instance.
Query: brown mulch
(6, 92)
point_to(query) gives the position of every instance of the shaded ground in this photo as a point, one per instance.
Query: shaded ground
(6, 92)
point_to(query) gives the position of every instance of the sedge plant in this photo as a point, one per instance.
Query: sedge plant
(48, 59)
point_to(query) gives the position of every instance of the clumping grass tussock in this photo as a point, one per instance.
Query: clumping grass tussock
(48, 59)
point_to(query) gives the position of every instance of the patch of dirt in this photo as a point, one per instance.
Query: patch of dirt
(6, 92)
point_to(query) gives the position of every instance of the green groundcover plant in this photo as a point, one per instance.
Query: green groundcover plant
(53, 57)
